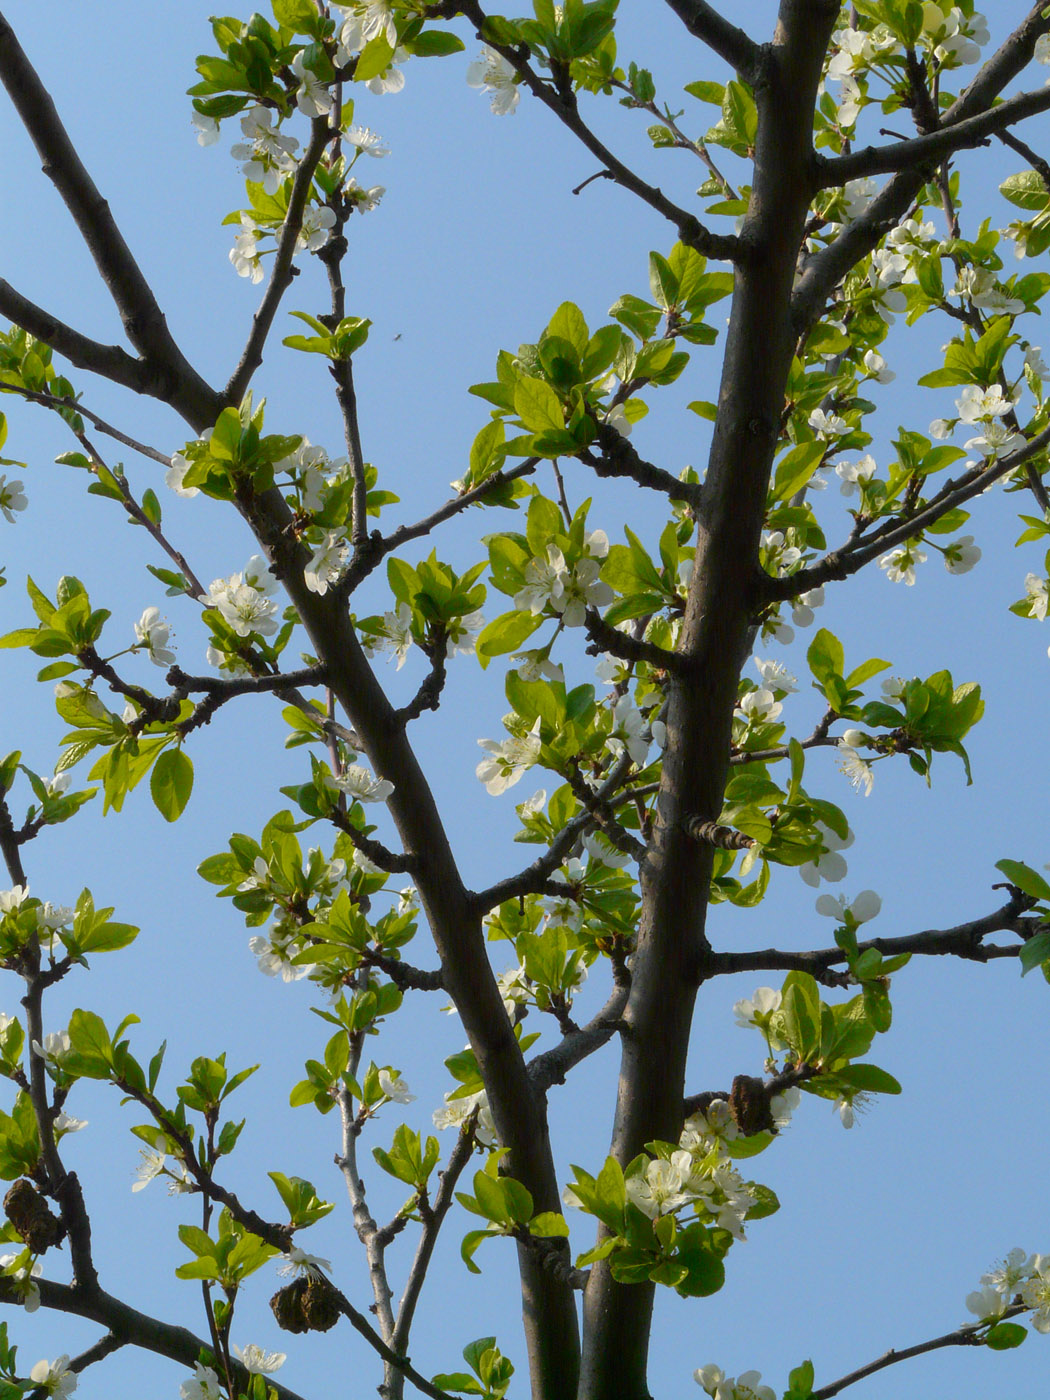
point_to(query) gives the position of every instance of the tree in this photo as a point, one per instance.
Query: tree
(676, 785)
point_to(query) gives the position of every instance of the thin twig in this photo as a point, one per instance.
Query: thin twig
(53, 402)
(283, 270)
(961, 1337)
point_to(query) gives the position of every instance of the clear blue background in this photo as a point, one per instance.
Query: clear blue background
(883, 1229)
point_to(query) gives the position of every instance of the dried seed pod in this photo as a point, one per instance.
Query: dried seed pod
(320, 1303)
(749, 1105)
(32, 1217)
(309, 1304)
(287, 1307)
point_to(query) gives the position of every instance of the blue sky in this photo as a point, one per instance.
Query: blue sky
(884, 1229)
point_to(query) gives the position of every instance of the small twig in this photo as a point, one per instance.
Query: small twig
(962, 941)
(961, 1337)
(380, 546)
(628, 648)
(428, 696)
(553, 1065)
(283, 270)
(818, 739)
(618, 458)
(105, 1346)
(562, 102)
(534, 877)
(598, 175)
(375, 851)
(136, 512)
(52, 402)
(433, 1217)
(404, 975)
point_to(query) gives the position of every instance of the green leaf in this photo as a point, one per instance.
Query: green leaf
(1027, 880)
(171, 783)
(1004, 1336)
(869, 1078)
(505, 633)
(538, 406)
(795, 468)
(662, 281)
(1035, 952)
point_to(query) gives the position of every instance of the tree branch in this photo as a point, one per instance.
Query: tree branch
(283, 270)
(428, 696)
(818, 739)
(852, 557)
(961, 1337)
(932, 147)
(962, 941)
(553, 1065)
(433, 1218)
(142, 317)
(110, 361)
(706, 24)
(826, 270)
(379, 546)
(534, 877)
(133, 1328)
(628, 648)
(725, 247)
(57, 404)
(619, 458)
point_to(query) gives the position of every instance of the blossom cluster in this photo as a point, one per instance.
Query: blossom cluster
(1018, 1278)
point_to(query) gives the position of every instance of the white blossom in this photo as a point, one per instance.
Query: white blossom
(1038, 590)
(313, 97)
(363, 199)
(273, 959)
(23, 1278)
(976, 404)
(491, 72)
(12, 498)
(175, 475)
(1035, 1293)
(462, 632)
(297, 1262)
(805, 604)
(855, 475)
(507, 761)
(326, 563)
(396, 636)
(367, 141)
(268, 155)
(628, 731)
(961, 555)
(202, 1385)
(54, 1377)
(760, 707)
(858, 770)
(865, 907)
(207, 128)
(260, 1362)
(762, 1003)
(830, 865)
(316, 228)
(775, 675)
(152, 632)
(394, 1087)
(900, 563)
(828, 425)
(986, 1303)
(1033, 356)
(360, 785)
